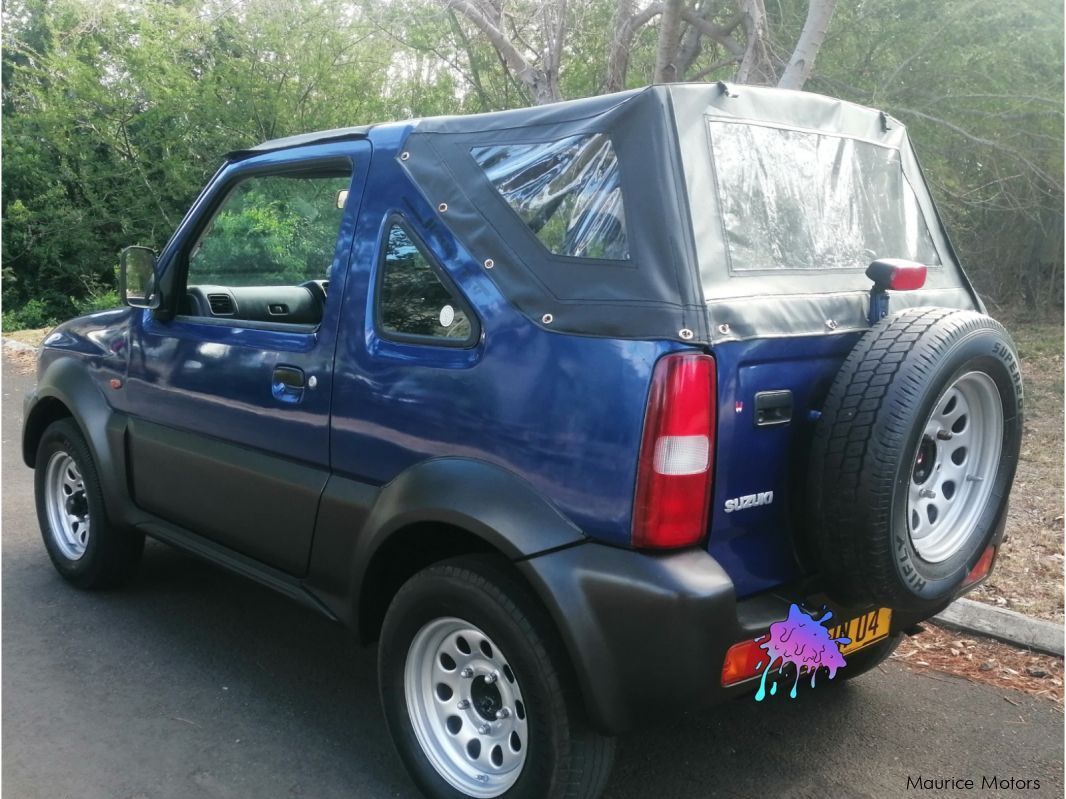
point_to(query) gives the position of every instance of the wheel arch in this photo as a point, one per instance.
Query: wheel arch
(45, 411)
(66, 390)
(400, 557)
(368, 541)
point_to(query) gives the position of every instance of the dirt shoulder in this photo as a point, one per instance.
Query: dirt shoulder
(978, 659)
(31, 337)
(1028, 576)
(22, 359)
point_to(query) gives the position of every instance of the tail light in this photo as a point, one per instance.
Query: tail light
(743, 661)
(677, 453)
(896, 274)
(981, 568)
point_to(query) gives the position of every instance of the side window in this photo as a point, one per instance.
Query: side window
(796, 200)
(568, 192)
(412, 298)
(276, 230)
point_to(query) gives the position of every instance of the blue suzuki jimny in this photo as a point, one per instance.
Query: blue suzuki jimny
(524, 396)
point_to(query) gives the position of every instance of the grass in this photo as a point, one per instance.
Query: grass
(31, 337)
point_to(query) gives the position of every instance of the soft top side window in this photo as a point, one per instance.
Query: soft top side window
(415, 301)
(809, 201)
(568, 192)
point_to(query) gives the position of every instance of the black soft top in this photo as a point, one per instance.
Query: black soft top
(678, 281)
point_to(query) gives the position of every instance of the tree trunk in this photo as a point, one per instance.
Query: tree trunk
(618, 55)
(819, 13)
(543, 86)
(756, 66)
(690, 46)
(554, 16)
(669, 42)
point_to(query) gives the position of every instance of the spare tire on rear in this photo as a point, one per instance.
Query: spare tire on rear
(913, 457)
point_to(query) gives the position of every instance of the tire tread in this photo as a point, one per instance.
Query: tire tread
(859, 439)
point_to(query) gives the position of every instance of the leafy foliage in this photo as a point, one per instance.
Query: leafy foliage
(116, 114)
(979, 85)
(272, 231)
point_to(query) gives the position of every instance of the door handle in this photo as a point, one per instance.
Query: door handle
(773, 408)
(287, 384)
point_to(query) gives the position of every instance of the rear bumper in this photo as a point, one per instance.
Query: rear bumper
(648, 633)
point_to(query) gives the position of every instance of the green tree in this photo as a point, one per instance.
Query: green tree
(115, 113)
(979, 85)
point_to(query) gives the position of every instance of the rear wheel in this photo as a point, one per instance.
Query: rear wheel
(84, 546)
(477, 691)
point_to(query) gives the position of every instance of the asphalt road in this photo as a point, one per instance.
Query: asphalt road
(195, 683)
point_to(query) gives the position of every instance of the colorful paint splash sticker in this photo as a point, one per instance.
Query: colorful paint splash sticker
(805, 643)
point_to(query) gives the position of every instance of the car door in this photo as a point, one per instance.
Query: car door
(230, 398)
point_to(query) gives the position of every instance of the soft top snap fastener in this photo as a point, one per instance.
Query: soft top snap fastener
(547, 319)
(489, 263)
(404, 155)
(442, 207)
(723, 328)
(686, 334)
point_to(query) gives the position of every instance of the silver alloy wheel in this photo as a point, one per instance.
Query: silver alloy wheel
(466, 707)
(952, 475)
(67, 505)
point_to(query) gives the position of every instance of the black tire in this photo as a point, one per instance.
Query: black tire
(565, 757)
(111, 553)
(865, 452)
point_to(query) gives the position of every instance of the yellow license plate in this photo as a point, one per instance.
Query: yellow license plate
(869, 628)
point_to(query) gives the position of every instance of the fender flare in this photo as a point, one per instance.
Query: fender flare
(356, 522)
(66, 380)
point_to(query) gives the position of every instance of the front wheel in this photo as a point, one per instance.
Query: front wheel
(85, 547)
(477, 692)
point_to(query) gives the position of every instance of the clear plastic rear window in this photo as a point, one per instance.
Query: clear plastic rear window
(797, 200)
(568, 192)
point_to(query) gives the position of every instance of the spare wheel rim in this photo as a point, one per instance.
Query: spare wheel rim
(955, 467)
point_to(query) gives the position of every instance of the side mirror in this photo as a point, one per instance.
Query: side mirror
(137, 278)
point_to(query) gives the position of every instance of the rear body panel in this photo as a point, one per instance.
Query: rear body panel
(718, 212)
(756, 544)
